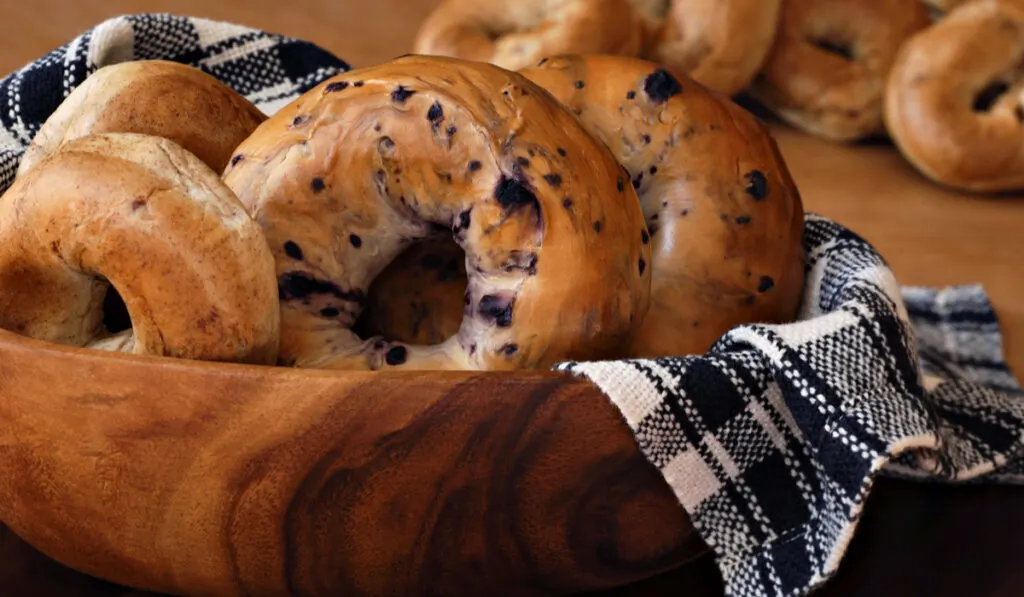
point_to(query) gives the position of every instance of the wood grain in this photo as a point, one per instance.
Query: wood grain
(199, 479)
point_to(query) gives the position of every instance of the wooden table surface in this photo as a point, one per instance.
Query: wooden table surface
(915, 539)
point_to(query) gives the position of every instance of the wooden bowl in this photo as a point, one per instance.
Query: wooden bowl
(194, 478)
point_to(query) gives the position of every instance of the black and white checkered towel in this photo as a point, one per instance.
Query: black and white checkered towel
(771, 440)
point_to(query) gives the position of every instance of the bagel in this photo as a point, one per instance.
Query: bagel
(826, 72)
(721, 44)
(153, 97)
(514, 35)
(955, 99)
(350, 174)
(725, 218)
(142, 214)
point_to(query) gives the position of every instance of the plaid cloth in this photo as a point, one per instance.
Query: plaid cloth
(772, 439)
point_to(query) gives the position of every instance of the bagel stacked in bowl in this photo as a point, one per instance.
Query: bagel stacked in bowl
(940, 79)
(428, 213)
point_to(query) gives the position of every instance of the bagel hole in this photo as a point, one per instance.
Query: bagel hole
(841, 49)
(989, 95)
(115, 312)
(417, 291)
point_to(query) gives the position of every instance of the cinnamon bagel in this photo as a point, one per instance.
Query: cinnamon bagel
(722, 44)
(955, 98)
(514, 35)
(153, 97)
(144, 215)
(826, 72)
(354, 171)
(724, 215)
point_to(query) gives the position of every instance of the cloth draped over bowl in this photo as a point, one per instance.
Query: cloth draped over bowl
(772, 439)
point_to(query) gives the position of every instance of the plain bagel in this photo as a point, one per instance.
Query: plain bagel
(349, 175)
(152, 97)
(955, 99)
(725, 219)
(141, 214)
(514, 35)
(826, 73)
(722, 44)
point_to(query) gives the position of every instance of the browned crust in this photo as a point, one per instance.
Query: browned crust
(518, 34)
(140, 213)
(153, 97)
(368, 162)
(724, 215)
(933, 87)
(821, 91)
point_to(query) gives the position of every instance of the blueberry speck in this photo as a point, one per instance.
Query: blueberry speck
(757, 184)
(646, 139)
(630, 95)
(554, 179)
(566, 203)
(646, 238)
(299, 120)
(643, 266)
(579, 84)
(511, 194)
(742, 220)
(317, 185)
(396, 356)
(766, 284)
(329, 312)
(561, 152)
(475, 165)
(335, 86)
(357, 84)
(509, 349)
(293, 250)
(436, 113)
(597, 226)
(463, 220)
(542, 61)
(622, 185)
(299, 285)
(401, 93)
(638, 181)
(236, 159)
(654, 170)
(355, 240)
(451, 130)
(661, 85)
(497, 308)
(523, 161)
(684, 213)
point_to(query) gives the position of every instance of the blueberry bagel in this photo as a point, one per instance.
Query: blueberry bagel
(353, 172)
(725, 219)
